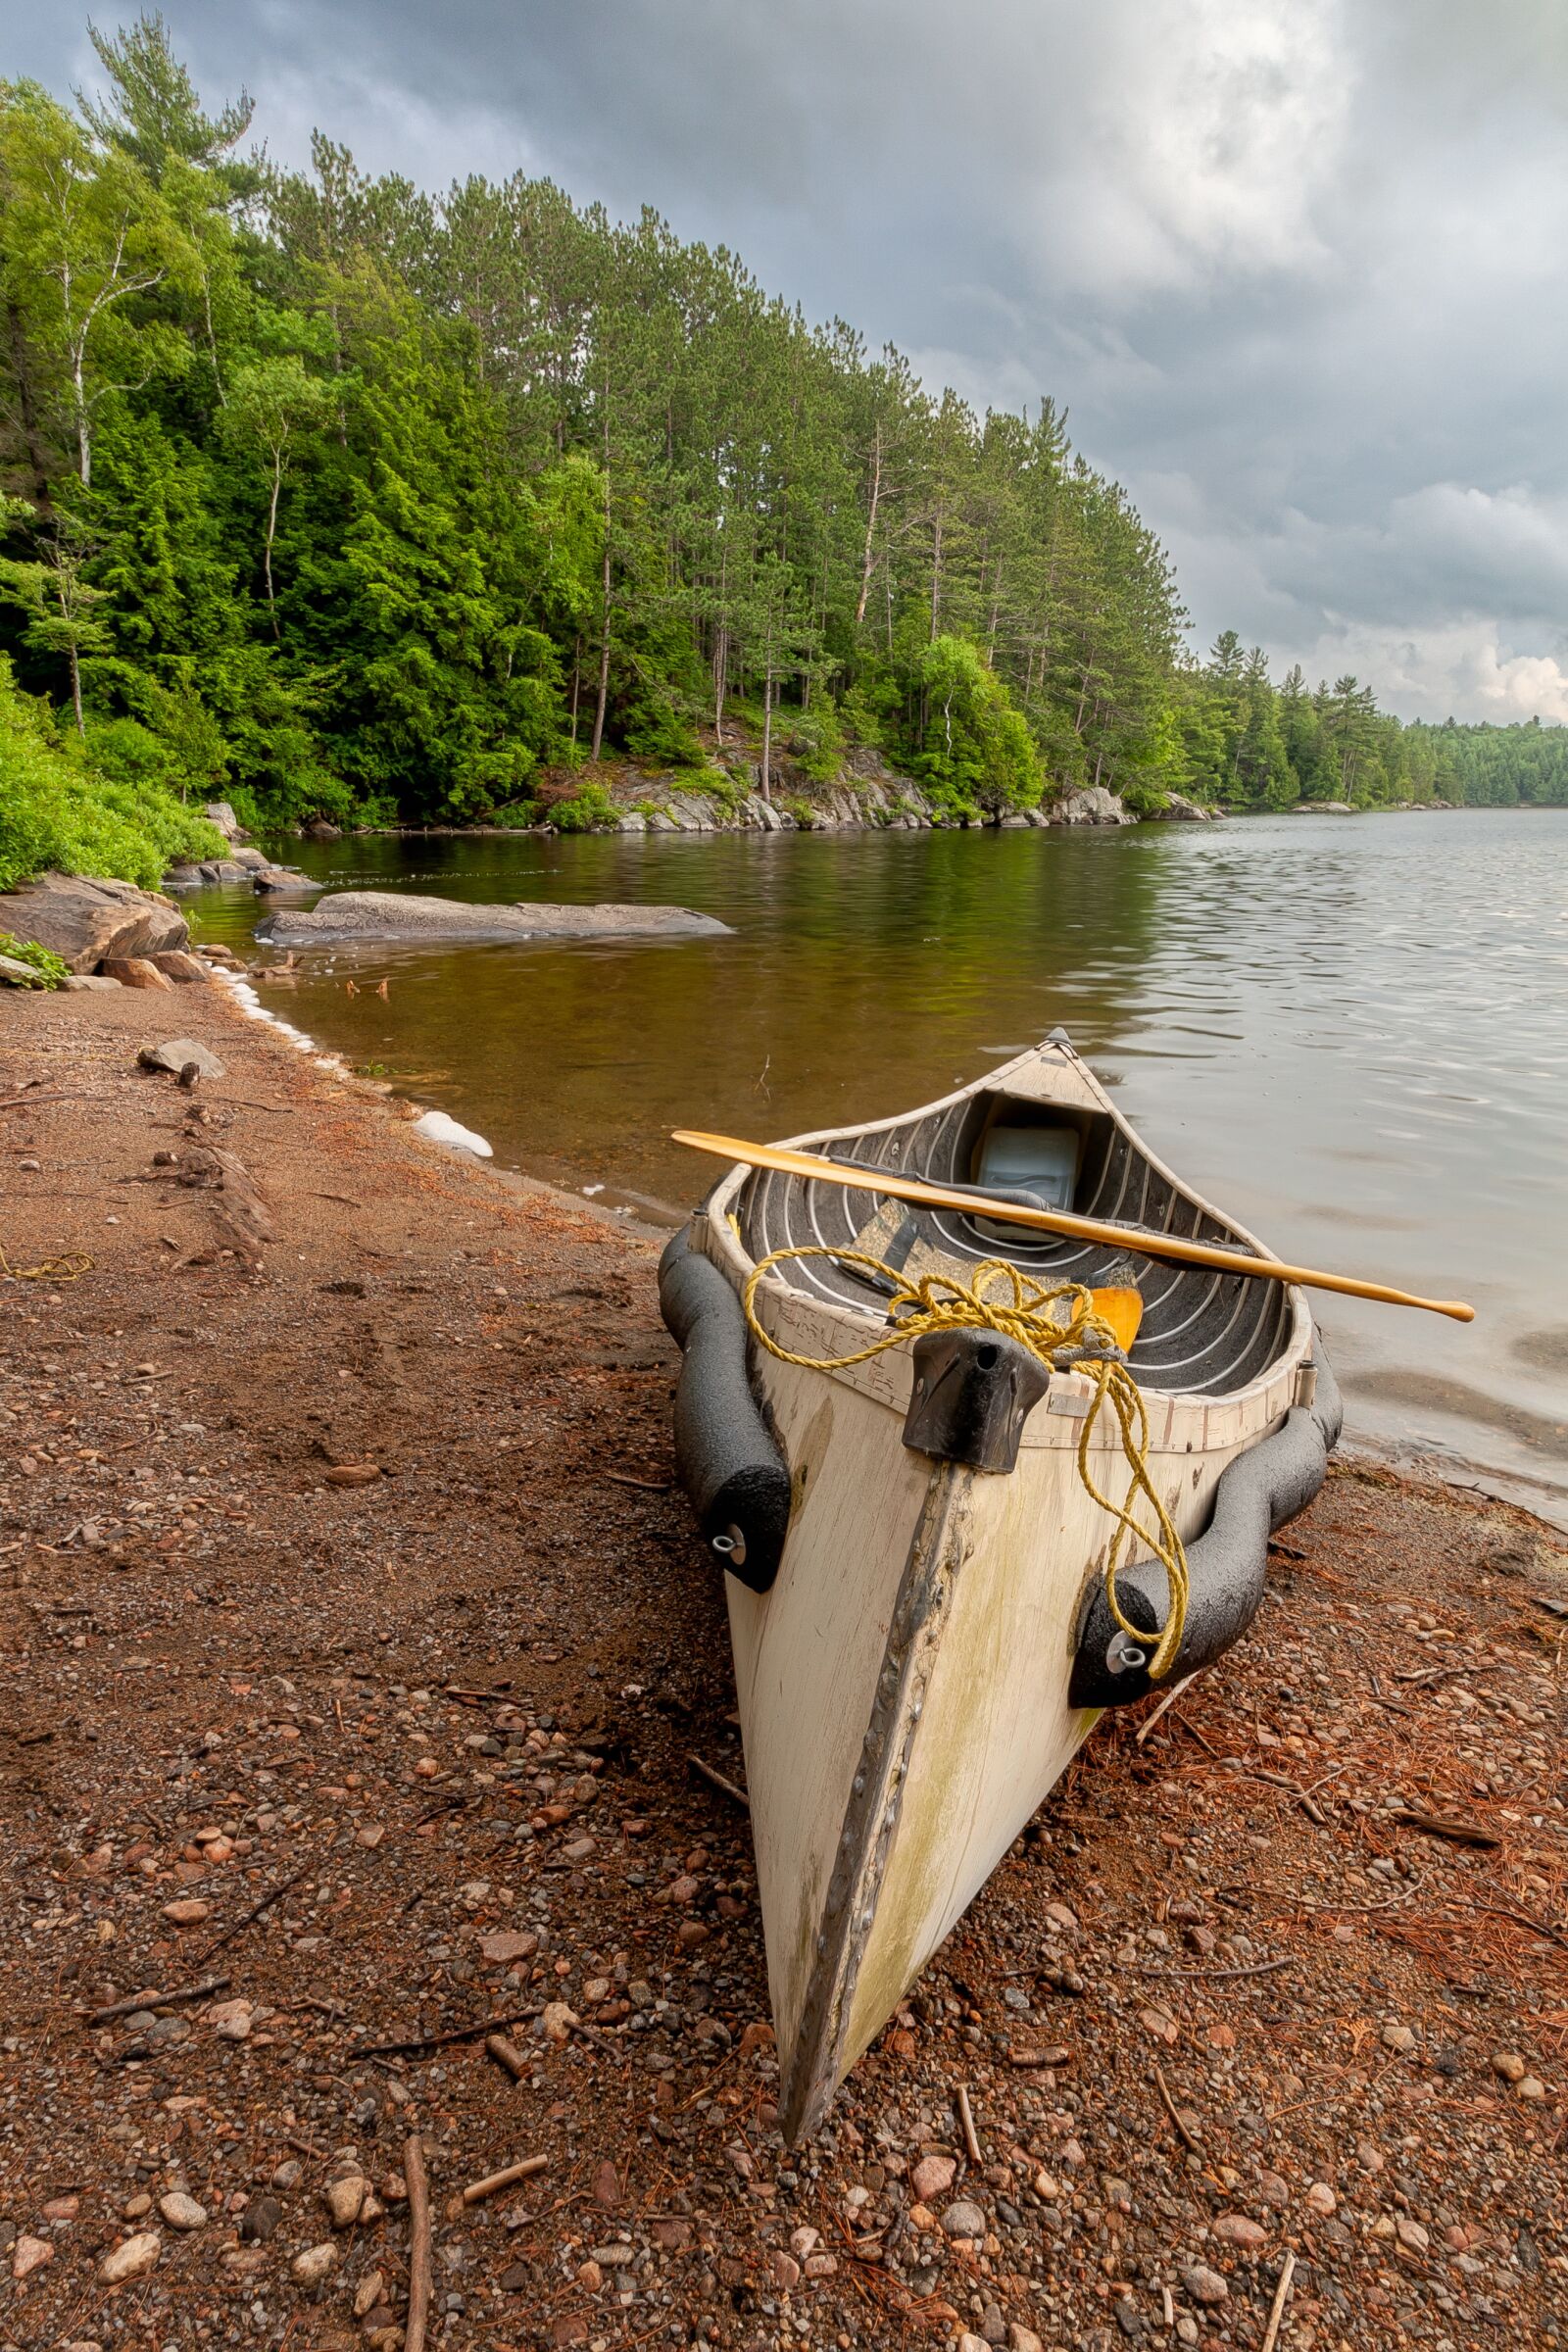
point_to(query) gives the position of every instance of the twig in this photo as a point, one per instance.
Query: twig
(343, 1196)
(1169, 1700)
(1218, 1976)
(507, 2053)
(415, 2182)
(718, 1780)
(648, 1486)
(1438, 1825)
(1282, 2295)
(526, 2171)
(438, 2041)
(1185, 2137)
(971, 2138)
(256, 1910)
(27, 1102)
(156, 2000)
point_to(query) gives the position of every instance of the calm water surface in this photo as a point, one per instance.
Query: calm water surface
(1352, 1033)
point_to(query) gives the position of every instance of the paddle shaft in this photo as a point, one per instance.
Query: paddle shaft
(862, 1179)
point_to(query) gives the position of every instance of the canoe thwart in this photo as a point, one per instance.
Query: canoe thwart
(726, 1457)
(973, 1392)
(1226, 1566)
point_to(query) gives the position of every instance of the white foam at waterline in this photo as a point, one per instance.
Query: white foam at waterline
(437, 1128)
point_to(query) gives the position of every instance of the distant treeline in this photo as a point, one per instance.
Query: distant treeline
(340, 497)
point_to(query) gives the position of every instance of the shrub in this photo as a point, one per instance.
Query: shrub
(586, 811)
(50, 967)
(57, 809)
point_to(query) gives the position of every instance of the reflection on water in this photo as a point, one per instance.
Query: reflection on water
(1352, 1033)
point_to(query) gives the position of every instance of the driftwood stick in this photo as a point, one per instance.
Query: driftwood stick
(716, 1780)
(1186, 2137)
(971, 2138)
(1169, 1700)
(156, 2000)
(1282, 2295)
(1219, 1976)
(256, 1910)
(476, 2189)
(418, 2243)
(507, 2053)
(481, 2025)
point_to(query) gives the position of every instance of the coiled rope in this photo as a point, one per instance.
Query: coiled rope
(52, 1269)
(1051, 1323)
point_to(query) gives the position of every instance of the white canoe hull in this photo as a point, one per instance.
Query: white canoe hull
(904, 1683)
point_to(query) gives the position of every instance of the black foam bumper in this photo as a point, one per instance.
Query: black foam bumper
(1227, 1565)
(726, 1457)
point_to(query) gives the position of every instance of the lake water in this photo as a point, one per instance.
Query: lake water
(1350, 1032)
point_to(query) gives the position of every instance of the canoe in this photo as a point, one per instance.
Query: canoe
(915, 1570)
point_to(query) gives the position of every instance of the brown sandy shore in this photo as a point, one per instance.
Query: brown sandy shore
(354, 1644)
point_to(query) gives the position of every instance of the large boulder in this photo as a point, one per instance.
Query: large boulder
(87, 922)
(222, 814)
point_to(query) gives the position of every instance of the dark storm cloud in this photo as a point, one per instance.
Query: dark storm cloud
(1296, 266)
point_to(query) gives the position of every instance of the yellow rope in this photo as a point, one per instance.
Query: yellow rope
(53, 1269)
(936, 1303)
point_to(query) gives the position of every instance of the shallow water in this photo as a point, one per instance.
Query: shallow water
(1351, 1033)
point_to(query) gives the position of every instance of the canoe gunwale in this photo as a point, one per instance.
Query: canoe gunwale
(816, 1323)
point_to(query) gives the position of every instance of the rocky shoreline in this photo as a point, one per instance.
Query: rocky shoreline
(358, 1647)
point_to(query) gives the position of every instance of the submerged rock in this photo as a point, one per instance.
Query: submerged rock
(396, 915)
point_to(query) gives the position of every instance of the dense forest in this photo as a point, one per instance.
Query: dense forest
(339, 498)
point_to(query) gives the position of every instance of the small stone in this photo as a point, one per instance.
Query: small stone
(993, 2327)
(260, 2219)
(315, 2264)
(932, 2178)
(230, 2020)
(972, 2343)
(1410, 2233)
(62, 2209)
(1398, 2038)
(288, 2174)
(1321, 2200)
(181, 2212)
(963, 2219)
(367, 2294)
(785, 2268)
(370, 1836)
(509, 1944)
(579, 1849)
(133, 2258)
(1273, 2189)
(1204, 2285)
(30, 2254)
(134, 2206)
(821, 2266)
(344, 2199)
(1023, 2340)
(1047, 2187)
(590, 2277)
(558, 2021)
(187, 1911)
(1509, 2065)
(177, 1054)
(1236, 2229)
(1532, 2087)
(804, 2241)
(690, 1933)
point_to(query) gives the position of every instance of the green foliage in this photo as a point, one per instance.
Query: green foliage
(969, 747)
(339, 498)
(588, 810)
(50, 967)
(59, 809)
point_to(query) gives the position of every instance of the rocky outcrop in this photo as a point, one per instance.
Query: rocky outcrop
(87, 922)
(222, 814)
(1180, 811)
(386, 915)
(1090, 805)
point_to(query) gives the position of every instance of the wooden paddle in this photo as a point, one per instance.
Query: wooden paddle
(861, 1179)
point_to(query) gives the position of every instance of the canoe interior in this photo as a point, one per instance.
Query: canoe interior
(1204, 1333)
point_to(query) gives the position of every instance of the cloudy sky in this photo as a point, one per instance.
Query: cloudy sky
(1296, 268)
